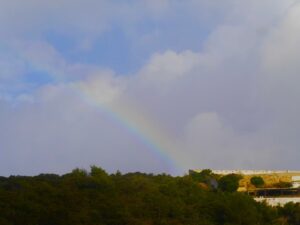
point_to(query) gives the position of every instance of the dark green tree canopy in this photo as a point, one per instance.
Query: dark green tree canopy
(257, 181)
(97, 198)
(229, 183)
(206, 176)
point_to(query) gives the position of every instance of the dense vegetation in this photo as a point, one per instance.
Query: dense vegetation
(96, 198)
(257, 181)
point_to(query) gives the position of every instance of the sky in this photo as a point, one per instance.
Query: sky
(149, 85)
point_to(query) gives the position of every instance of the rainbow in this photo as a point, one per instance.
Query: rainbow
(133, 119)
(139, 124)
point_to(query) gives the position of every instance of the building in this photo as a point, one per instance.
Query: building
(270, 177)
(272, 193)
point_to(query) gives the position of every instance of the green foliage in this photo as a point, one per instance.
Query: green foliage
(98, 172)
(206, 176)
(229, 183)
(282, 184)
(257, 181)
(291, 213)
(97, 198)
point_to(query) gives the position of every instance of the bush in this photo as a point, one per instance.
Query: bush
(206, 177)
(229, 183)
(257, 181)
(282, 184)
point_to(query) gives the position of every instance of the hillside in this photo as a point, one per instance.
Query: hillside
(95, 197)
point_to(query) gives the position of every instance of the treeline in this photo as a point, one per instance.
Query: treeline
(98, 198)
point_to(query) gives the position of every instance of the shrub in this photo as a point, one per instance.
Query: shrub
(282, 184)
(229, 183)
(257, 181)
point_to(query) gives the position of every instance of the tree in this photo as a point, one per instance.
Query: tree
(202, 176)
(206, 177)
(98, 171)
(229, 183)
(257, 181)
(291, 213)
(98, 198)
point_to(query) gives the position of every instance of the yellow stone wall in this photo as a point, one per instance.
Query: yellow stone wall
(270, 180)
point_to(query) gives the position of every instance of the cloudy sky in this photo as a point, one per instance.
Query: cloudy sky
(149, 85)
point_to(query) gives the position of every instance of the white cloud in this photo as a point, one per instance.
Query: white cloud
(281, 49)
(60, 131)
(231, 104)
(103, 88)
(42, 56)
(169, 66)
(218, 145)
